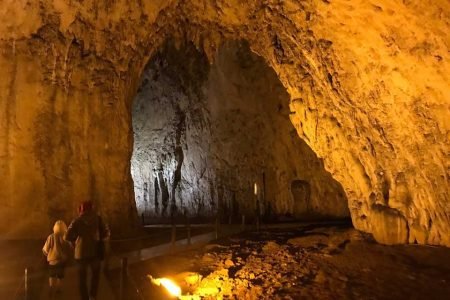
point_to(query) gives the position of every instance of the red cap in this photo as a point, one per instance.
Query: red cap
(85, 206)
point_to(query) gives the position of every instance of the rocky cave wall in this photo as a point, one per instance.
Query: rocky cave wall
(203, 135)
(368, 84)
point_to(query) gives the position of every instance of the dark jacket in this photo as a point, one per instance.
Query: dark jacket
(86, 232)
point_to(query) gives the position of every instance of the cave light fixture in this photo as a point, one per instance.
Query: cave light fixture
(172, 288)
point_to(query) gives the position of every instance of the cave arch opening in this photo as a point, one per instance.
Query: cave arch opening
(205, 134)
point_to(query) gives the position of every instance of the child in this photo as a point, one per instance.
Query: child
(57, 251)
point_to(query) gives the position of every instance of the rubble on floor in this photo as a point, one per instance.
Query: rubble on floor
(315, 262)
(249, 269)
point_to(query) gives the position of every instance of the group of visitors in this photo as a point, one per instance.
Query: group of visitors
(84, 239)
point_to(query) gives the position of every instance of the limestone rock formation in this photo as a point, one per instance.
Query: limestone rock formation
(203, 136)
(367, 80)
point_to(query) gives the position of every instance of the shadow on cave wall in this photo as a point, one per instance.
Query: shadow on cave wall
(204, 135)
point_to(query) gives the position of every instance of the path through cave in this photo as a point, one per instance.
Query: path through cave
(204, 135)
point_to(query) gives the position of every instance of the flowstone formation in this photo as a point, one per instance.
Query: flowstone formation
(204, 135)
(368, 86)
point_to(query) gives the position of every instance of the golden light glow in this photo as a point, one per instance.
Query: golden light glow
(169, 285)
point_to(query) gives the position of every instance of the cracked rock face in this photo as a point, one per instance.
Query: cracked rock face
(367, 83)
(204, 135)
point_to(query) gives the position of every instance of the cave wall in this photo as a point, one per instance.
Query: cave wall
(54, 141)
(252, 135)
(202, 141)
(368, 82)
(170, 162)
(352, 70)
(64, 122)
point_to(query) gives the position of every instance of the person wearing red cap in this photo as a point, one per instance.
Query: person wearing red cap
(87, 232)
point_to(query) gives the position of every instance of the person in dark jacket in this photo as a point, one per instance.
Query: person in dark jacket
(88, 231)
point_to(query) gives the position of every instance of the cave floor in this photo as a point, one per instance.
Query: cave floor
(314, 261)
(311, 262)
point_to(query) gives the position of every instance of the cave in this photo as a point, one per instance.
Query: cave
(205, 134)
(276, 149)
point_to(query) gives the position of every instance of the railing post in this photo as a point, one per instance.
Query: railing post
(188, 228)
(243, 223)
(26, 283)
(174, 234)
(257, 223)
(123, 276)
(217, 227)
(143, 219)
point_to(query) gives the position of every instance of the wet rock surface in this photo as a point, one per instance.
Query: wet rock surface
(306, 263)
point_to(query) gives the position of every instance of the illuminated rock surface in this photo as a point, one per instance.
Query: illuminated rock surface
(308, 263)
(368, 86)
(204, 135)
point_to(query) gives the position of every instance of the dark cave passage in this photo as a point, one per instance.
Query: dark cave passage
(205, 135)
